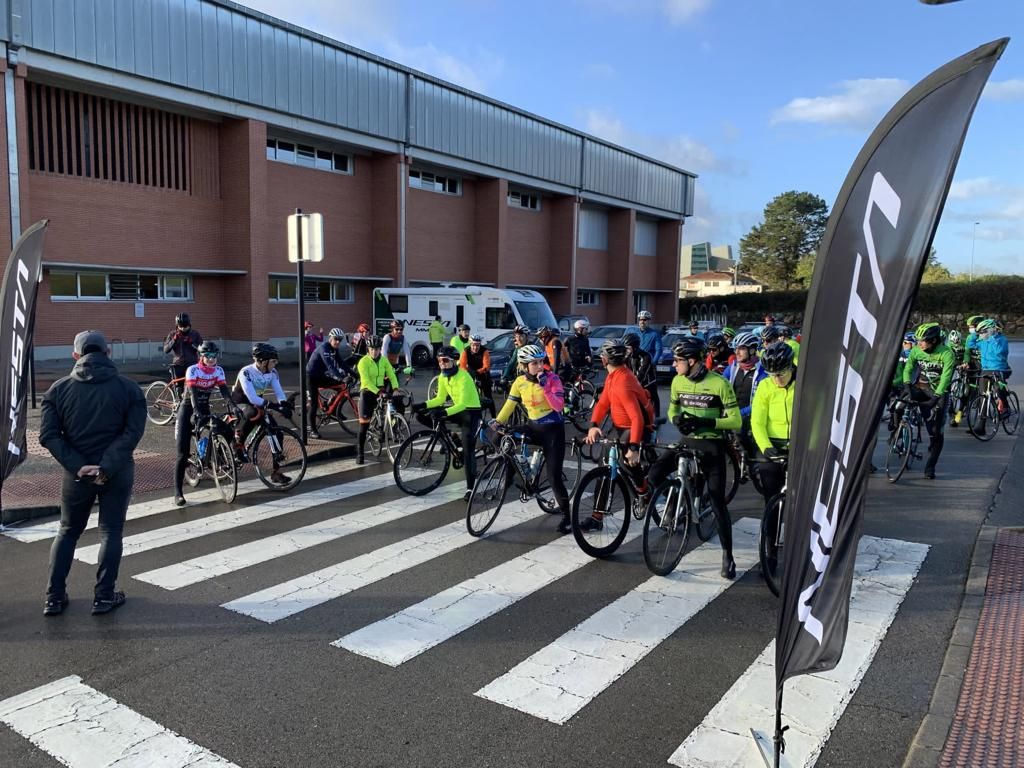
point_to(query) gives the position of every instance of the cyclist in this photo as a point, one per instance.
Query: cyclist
(325, 368)
(397, 346)
(642, 366)
(745, 373)
(650, 339)
(703, 406)
(455, 383)
(994, 350)
(436, 332)
(461, 338)
(201, 379)
(376, 379)
(955, 341)
(183, 342)
(771, 416)
(730, 335)
(520, 338)
(359, 340)
(720, 356)
(476, 359)
(577, 349)
(769, 335)
(251, 385)
(932, 363)
(542, 395)
(310, 340)
(548, 339)
(787, 336)
(694, 329)
(769, 320)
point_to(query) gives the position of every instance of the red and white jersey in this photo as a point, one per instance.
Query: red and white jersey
(203, 381)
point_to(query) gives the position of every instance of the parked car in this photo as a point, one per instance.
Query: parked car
(601, 333)
(565, 322)
(501, 348)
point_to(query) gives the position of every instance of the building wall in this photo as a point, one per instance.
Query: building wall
(528, 246)
(441, 234)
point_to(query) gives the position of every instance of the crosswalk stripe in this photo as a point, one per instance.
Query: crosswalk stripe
(251, 553)
(812, 704)
(47, 530)
(560, 679)
(83, 728)
(291, 597)
(406, 634)
(204, 526)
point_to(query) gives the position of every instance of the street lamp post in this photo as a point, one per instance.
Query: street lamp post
(974, 238)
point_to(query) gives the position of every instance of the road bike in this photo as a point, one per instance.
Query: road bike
(904, 438)
(388, 428)
(518, 463)
(425, 458)
(339, 404)
(738, 467)
(771, 538)
(277, 453)
(211, 454)
(962, 390)
(994, 405)
(580, 396)
(163, 399)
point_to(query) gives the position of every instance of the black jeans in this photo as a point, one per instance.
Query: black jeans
(551, 437)
(182, 444)
(76, 503)
(468, 422)
(935, 424)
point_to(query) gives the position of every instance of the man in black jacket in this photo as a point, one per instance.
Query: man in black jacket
(91, 422)
(182, 342)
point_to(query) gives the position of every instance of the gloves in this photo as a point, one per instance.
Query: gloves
(286, 409)
(419, 408)
(688, 424)
(906, 391)
(436, 414)
(933, 401)
(542, 379)
(407, 370)
(774, 453)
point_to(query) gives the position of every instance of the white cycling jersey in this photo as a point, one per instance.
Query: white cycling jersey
(253, 383)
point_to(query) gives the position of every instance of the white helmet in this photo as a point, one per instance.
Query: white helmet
(643, 314)
(336, 333)
(581, 325)
(528, 353)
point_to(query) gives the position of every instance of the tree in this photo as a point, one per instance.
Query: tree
(805, 270)
(793, 225)
(934, 272)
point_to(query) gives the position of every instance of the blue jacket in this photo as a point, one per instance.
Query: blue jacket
(326, 362)
(994, 351)
(650, 342)
(733, 369)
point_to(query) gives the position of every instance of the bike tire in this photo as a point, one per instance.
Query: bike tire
(901, 446)
(705, 517)
(488, 496)
(980, 414)
(771, 541)
(396, 432)
(599, 493)
(347, 415)
(572, 469)
(292, 458)
(223, 468)
(161, 403)
(421, 463)
(1012, 418)
(666, 527)
(732, 472)
(193, 467)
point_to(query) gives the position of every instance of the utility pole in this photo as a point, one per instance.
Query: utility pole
(974, 238)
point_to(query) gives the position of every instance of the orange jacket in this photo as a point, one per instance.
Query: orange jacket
(629, 403)
(485, 362)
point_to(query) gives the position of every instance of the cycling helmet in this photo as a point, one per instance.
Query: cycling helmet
(986, 326)
(544, 332)
(262, 351)
(928, 332)
(975, 319)
(643, 314)
(777, 358)
(528, 353)
(631, 340)
(373, 341)
(208, 348)
(729, 333)
(477, 338)
(336, 333)
(613, 351)
(363, 328)
(463, 327)
(786, 331)
(689, 348)
(396, 324)
(449, 352)
(182, 319)
(307, 325)
(910, 337)
(581, 325)
(522, 330)
(955, 338)
(717, 340)
(769, 318)
(745, 339)
(770, 334)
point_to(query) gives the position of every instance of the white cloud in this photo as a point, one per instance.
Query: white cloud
(681, 11)
(476, 75)
(1004, 90)
(676, 11)
(969, 189)
(860, 103)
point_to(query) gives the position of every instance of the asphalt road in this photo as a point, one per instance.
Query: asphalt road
(279, 694)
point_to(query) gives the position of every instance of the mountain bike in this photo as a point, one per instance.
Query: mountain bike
(904, 439)
(988, 410)
(422, 462)
(163, 399)
(771, 538)
(211, 455)
(277, 452)
(339, 403)
(388, 428)
(517, 463)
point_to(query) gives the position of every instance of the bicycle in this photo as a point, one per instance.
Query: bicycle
(610, 496)
(984, 415)
(771, 537)
(339, 403)
(962, 391)
(424, 459)
(388, 428)
(514, 461)
(211, 453)
(738, 467)
(904, 439)
(163, 399)
(275, 450)
(580, 397)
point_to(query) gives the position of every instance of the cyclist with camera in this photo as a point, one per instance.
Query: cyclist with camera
(376, 379)
(183, 342)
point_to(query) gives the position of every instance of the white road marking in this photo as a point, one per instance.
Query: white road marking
(405, 635)
(560, 679)
(42, 531)
(251, 553)
(83, 728)
(297, 595)
(812, 704)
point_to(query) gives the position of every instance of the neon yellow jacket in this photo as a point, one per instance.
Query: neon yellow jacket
(373, 372)
(460, 388)
(771, 413)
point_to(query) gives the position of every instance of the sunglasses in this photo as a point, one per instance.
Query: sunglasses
(444, 360)
(781, 374)
(209, 357)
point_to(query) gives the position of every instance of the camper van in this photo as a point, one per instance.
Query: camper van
(488, 311)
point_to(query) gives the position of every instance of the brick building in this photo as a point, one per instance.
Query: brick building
(168, 140)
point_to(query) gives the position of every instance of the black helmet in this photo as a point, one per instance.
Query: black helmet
(689, 348)
(614, 350)
(450, 352)
(716, 340)
(208, 348)
(770, 334)
(522, 330)
(786, 331)
(182, 319)
(632, 340)
(543, 332)
(373, 341)
(262, 351)
(777, 357)
(931, 332)
(463, 327)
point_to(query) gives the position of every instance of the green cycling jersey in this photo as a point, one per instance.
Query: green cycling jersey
(935, 368)
(711, 397)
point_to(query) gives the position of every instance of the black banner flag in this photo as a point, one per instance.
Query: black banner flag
(868, 269)
(18, 310)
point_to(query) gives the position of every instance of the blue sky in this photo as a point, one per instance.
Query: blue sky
(755, 96)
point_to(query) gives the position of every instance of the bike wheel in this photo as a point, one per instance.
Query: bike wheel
(898, 456)
(572, 469)
(770, 542)
(194, 467)
(983, 418)
(488, 495)
(421, 463)
(732, 472)
(396, 432)
(280, 458)
(606, 502)
(1011, 419)
(347, 415)
(223, 468)
(705, 516)
(585, 396)
(161, 403)
(666, 526)
(432, 388)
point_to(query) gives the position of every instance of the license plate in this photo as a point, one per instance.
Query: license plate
(664, 368)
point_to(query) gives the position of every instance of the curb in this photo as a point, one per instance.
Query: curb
(11, 515)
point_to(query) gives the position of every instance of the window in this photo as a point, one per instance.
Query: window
(314, 291)
(449, 185)
(641, 301)
(308, 156)
(586, 298)
(500, 317)
(432, 309)
(119, 286)
(645, 238)
(398, 303)
(519, 198)
(593, 229)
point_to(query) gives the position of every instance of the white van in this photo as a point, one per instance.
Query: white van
(487, 311)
